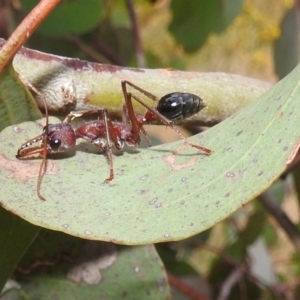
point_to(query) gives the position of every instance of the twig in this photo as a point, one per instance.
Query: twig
(25, 30)
(95, 55)
(288, 289)
(185, 288)
(237, 265)
(45, 262)
(108, 53)
(287, 225)
(136, 36)
(229, 283)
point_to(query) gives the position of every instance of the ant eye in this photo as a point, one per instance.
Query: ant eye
(55, 144)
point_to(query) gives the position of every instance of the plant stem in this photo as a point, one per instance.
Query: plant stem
(25, 30)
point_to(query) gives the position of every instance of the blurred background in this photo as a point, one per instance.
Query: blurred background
(252, 38)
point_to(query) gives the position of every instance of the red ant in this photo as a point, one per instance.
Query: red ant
(104, 133)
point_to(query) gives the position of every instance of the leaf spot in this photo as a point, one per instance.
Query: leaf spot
(143, 192)
(153, 201)
(230, 174)
(17, 129)
(170, 159)
(24, 170)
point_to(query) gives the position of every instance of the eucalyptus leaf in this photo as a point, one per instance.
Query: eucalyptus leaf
(16, 105)
(70, 17)
(136, 272)
(155, 195)
(287, 46)
(194, 21)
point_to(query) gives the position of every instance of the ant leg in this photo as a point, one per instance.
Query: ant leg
(135, 128)
(105, 145)
(42, 171)
(128, 112)
(125, 117)
(147, 94)
(108, 149)
(143, 130)
(78, 114)
(28, 84)
(23, 152)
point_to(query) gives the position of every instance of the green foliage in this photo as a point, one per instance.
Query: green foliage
(15, 237)
(15, 234)
(12, 110)
(193, 21)
(70, 17)
(137, 272)
(287, 46)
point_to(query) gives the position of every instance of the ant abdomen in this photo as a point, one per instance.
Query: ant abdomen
(178, 106)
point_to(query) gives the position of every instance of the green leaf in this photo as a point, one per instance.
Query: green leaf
(54, 258)
(16, 105)
(15, 236)
(155, 196)
(230, 10)
(193, 21)
(287, 46)
(253, 228)
(70, 17)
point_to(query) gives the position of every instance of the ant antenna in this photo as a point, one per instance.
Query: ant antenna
(43, 166)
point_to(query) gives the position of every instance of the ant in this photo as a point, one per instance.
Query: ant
(105, 133)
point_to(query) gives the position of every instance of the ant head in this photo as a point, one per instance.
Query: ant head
(59, 137)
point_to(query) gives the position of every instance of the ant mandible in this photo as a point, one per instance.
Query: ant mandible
(105, 133)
